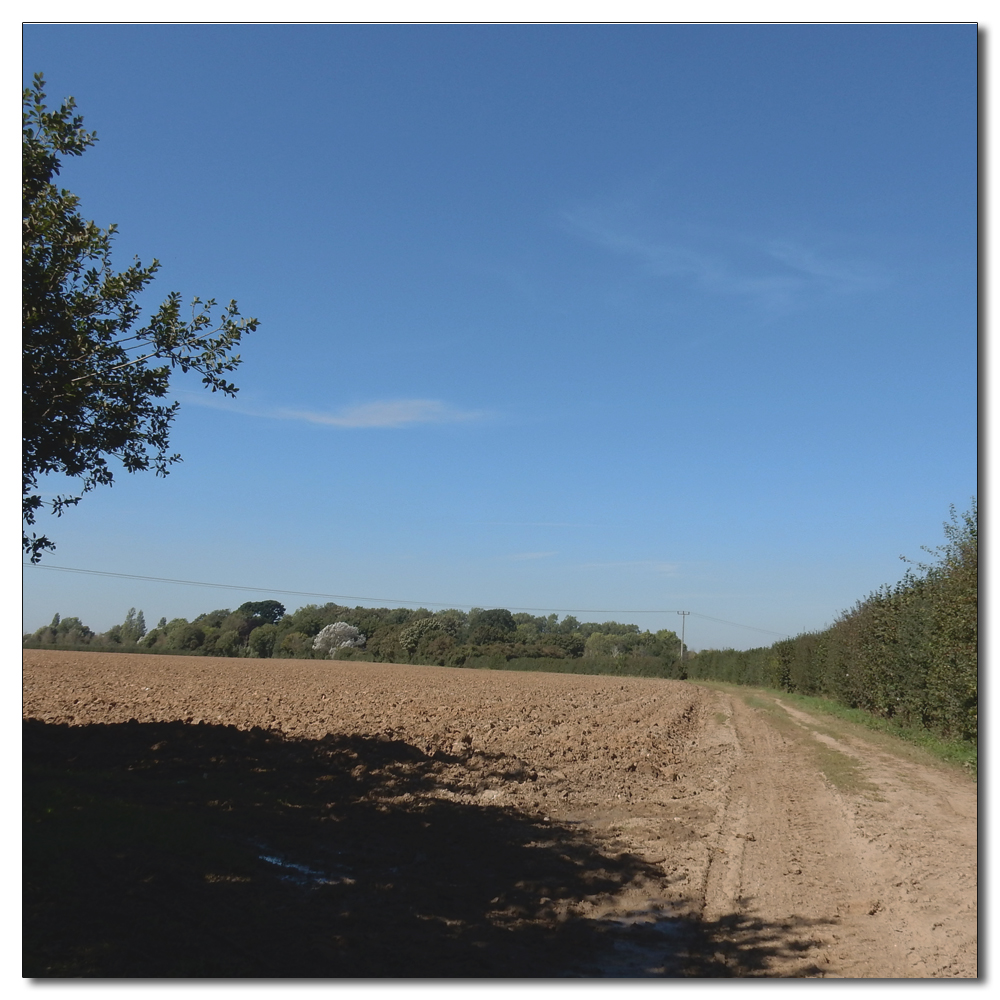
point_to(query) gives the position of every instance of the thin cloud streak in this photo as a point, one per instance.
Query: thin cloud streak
(386, 413)
(381, 413)
(802, 275)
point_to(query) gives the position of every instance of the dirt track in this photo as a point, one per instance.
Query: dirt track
(448, 822)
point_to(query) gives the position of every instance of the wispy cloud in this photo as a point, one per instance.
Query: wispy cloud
(776, 274)
(380, 413)
(532, 555)
(386, 413)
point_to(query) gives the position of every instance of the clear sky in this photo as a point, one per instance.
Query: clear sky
(628, 317)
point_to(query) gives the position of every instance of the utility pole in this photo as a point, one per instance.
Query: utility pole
(683, 615)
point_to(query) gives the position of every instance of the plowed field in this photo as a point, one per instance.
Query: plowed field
(188, 816)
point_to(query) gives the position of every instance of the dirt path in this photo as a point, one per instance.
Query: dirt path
(871, 855)
(424, 821)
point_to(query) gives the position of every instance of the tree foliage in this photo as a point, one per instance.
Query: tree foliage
(451, 637)
(908, 652)
(92, 378)
(339, 635)
(262, 640)
(493, 625)
(262, 612)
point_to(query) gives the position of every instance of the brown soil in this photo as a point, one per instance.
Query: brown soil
(189, 816)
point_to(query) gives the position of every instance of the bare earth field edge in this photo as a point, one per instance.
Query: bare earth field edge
(477, 823)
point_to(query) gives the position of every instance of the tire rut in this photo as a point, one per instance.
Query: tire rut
(876, 883)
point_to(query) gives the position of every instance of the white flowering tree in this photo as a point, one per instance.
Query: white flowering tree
(339, 635)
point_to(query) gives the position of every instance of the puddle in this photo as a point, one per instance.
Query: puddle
(303, 875)
(641, 946)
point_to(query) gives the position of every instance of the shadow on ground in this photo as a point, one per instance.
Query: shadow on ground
(174, 850)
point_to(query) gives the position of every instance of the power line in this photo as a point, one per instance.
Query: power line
(385, 601)
(738, 625)
(230, 586)
(339, 597)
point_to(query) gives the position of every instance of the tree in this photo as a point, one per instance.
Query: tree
(339, 635)
(133, 628)
(295, 644)
(229, 643)
(262, 640)
(184, 635)
(262, 612)
(238, 623)
(493, 625)
(412, 635)
(89, 389)
(62, 631)
(211, 619)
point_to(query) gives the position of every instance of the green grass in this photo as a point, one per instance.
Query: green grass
(957, 753)
(842, 770)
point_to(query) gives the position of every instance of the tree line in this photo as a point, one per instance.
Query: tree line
(908, 652)
(481, 637)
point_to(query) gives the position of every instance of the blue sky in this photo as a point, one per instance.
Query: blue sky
(623, 317)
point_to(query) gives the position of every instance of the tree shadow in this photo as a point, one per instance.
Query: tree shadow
(648, 944)
(157, 850)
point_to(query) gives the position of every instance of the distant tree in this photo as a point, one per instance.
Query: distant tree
(88, 389)
(152, 638)
(262, 640)
(668, 643)
(587, 629)
(384, 643)
(211, 640)
(296, 645)
(212, 619)
(308, 620)
(527, 632)
(264, 612)
(112, 637)
(62, 632)
(413, 634)
(229, 643)
(182, 634)
(133, 628)
(435, 648)
(71, 632)
(339, 635)
(569, 645)
(239, 623)
(494, 625)
(599, 644)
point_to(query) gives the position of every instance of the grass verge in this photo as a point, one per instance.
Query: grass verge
(957, 753)
(842, 770)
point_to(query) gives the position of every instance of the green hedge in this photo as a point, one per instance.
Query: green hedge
(908, 652)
